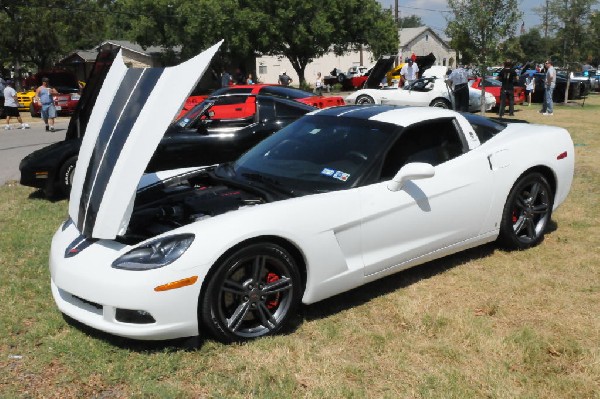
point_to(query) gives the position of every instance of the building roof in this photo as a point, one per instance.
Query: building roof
(407, 35)
(131, 46)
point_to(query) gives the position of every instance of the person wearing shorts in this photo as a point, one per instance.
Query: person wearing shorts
(45, 95)
(11, 106)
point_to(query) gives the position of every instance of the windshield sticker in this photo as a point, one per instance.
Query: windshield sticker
(341, 175)
(336, 174)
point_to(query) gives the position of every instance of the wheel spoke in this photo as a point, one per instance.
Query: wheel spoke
(518, 226)
(530, 227)
(234, 287)
(233, 323)
(257, 267)
(266, 316)
(535, 190)
(281, 285)
(540, 209)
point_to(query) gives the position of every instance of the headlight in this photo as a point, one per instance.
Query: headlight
(155, 254)
(75, 97)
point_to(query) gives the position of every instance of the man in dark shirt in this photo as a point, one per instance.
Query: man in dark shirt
(508, 77)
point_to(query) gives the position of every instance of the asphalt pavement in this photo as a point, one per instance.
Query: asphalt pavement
(17, 143)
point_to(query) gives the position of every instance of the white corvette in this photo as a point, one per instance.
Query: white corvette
(339, 198)
(428, 91)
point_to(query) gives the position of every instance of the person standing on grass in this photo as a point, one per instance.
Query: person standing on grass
(529, 87)
(45, 95)
(319, 85)
(550, 83)
(508, 77)
(11, 106)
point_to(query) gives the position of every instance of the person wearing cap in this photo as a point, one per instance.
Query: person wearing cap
(44, 95)
(409, 72)
(284, 79)
(11, 106)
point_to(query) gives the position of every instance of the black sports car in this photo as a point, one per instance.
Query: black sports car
(198, 138)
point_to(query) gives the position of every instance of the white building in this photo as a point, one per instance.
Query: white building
(268, 68)
(420, 41)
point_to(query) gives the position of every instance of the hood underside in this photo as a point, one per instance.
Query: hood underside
(131, 114)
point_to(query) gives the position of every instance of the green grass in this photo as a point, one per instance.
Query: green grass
(483, 323)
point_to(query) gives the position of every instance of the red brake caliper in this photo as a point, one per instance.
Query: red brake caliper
(272, 277)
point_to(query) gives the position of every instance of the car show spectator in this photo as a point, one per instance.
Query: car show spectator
(458, 78)
(319, 84)
(529, 87)
(2, 87)
(239, 78)
(550, 84)
(284, 79)
(409, 72)
(508, 77)
(45, 95)
(11, 106)
(225, 78)
(249, 80)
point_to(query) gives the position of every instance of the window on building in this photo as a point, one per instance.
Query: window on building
(262, 69)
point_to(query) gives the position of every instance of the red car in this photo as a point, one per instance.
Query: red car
(241, 106)
(67, 86)
(493, 87)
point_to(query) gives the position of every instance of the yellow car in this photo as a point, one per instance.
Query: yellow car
(25, 97)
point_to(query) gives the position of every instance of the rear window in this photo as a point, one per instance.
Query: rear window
(285, 92)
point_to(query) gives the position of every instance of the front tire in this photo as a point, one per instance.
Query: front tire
(65, 176)
(253, 293)
(365, 99)
(527, 212)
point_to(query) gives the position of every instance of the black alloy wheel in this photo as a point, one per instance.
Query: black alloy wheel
(527, 212)
(253, 293)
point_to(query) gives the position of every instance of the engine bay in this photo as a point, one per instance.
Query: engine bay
(179, 201)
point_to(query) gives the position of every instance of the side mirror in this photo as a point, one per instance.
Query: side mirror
(411, 171)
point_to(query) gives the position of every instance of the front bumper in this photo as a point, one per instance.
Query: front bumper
(86, 288)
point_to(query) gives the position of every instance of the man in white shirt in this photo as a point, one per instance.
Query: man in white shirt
(11, 106)
(409, 72)
(550, 84)
(459, 79)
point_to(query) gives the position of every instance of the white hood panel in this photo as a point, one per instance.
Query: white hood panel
(133, 110)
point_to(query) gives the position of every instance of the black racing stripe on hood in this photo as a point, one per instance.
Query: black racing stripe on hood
(122, 114)
(357, 111)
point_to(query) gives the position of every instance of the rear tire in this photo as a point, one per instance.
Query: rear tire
(364, 99)
(527, 212)
(439, 103)
(253, 293)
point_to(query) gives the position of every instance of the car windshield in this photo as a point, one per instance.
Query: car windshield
(285, 92)
(492, 82)
(317, 153)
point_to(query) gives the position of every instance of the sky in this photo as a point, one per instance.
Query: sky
(433, 13)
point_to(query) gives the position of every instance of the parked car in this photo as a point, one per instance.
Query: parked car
(558, 95)
(217, 130)
(246, 91)
(337, 199)
(585, 85)
(494, 86)
(429, 91)
(353, 79)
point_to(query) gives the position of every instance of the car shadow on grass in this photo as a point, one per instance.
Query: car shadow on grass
(394, 282)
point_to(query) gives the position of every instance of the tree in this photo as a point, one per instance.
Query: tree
(535, 46)
(485, 23)
(412, 21)
(303, 30)
(39, 32)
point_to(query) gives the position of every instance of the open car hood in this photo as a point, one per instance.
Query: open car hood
(377, 73)
(131, 114)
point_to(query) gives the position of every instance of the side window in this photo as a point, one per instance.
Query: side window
(434, 142)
